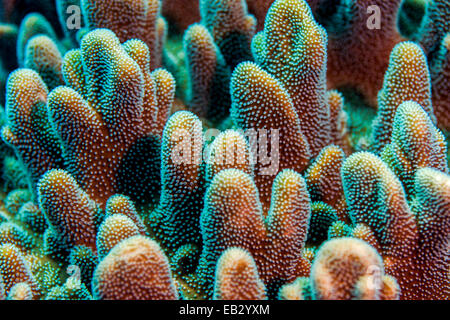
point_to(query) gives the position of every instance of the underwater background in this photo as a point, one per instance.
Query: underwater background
(224, 149)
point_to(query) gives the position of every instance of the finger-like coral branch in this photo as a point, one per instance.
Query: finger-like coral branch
(324, 177)
(113, 230)
(68, 208)
(209, 76)
(129, 19)
(230, 150)
(275, 243)
(407, 79)
(260, 105)
(376, 198)
(28, 129)
(135, 269)
(433, 215)
(113, 117)
(345, 269)
(231, 27)
(43, 56)
(362, 34)
(440, 81)
(416, 143)
(237, 277)
(293, 49)
(33, 24)
(15, 269)
(182, 182)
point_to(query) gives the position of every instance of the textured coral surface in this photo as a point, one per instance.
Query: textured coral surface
(224, 149)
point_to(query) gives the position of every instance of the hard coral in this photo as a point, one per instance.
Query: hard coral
(128, 19)
(114, 106)
(293, 49)
(232, 196)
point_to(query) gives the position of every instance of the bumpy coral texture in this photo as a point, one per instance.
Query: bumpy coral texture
(20, 291)
(209, 75)
(324, 177)
(230, 150)
(14, 269)
(435, 40)
(435, 25)
(111, 112)
(70, 17)
(347, 268)
(119, 204)
(28, 129)
(404, 233)
(416, 143)
(407, 79)
(129, 19)
(264, 110)
(68, 208)
(116, 184)
(293, 49)
(113, 230)
(136, 269)
(182, 182)
(259, 9)
(72, 289)
(231, 27)
(43, 56)
(440, 81)
(358, 56)
(237, 277)
(300, 289)
(275, 241)
(432, 189)
(33, 24)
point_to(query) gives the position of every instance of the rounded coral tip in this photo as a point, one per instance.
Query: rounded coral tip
(135, 269)
(237, 277)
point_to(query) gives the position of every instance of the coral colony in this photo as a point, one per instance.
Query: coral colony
(224, 149)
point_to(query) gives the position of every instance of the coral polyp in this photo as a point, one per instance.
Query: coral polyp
(224, 150)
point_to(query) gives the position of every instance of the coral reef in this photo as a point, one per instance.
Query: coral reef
(68, 208)
(181, 182)
(348, 268)
(358, 53)
(231, 28)
(224, 149)
(42, 55)
(323, 177)
(28, 130)
(14, 269)
(115, 114)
